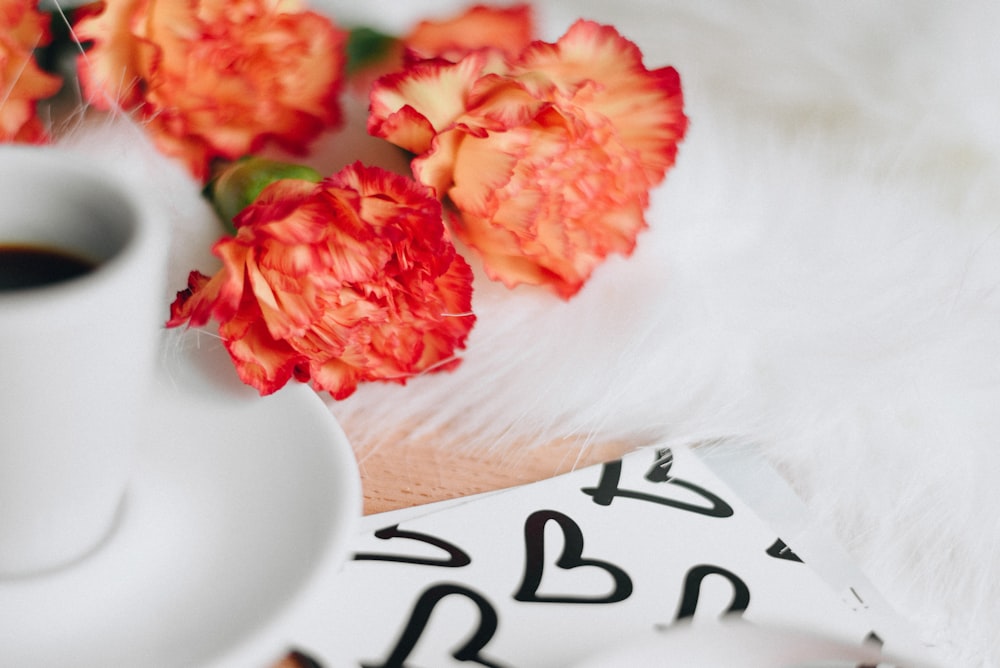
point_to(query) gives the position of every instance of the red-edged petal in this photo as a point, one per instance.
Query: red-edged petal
(509, 29)
(597, 63)
(409, 106)
(261, 361)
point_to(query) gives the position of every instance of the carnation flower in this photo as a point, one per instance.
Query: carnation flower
(22, 82)
(373, 54)
(347, 280)
(548, 158)
(215, 78)
(509, 29)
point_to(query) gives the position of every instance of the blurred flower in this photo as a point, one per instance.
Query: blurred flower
(347, 280)
(215, 78)
(373, 54)
(547, 157)
(22, 82)
(509, 29)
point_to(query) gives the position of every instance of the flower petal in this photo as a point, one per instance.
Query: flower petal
(509, 29)
(551, 155)
(22, 82)
(646, 106)
(407, 107)
(213, 78)
(348, 280)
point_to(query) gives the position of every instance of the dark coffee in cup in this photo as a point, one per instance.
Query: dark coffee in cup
(23, 266)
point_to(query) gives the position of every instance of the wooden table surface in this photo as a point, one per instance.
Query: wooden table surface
(414, 473)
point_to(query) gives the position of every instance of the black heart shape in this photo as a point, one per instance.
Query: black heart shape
(457, 557)
(692, 590)
(608, 489)
(572, 557)
(469, 651)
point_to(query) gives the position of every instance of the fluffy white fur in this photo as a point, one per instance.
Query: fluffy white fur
(820, 275)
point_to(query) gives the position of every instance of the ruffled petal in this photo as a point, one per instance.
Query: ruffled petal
(349, 280)
(408, 107)
(215, 79)
(509, 29)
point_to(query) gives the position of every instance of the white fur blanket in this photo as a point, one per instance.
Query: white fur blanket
(821, 276)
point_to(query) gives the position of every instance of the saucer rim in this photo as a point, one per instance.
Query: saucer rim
(189, 373)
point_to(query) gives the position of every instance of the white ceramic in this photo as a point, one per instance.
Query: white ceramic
(240, 508)
(76, 358)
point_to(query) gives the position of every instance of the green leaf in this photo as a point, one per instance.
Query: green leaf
(366, 46)
(238, 184)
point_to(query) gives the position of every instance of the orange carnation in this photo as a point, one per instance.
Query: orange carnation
(22, 82)
(509, 29)
(215, 78)
(374, 54)
(548, 158)
(347, 280)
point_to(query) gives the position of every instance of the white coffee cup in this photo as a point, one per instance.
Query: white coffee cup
(76, 356)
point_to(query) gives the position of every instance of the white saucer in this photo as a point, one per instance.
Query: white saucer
(238, 504)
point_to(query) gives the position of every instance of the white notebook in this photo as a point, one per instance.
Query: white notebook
(556, 572)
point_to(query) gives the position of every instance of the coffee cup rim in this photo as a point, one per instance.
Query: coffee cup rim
(104, 191)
